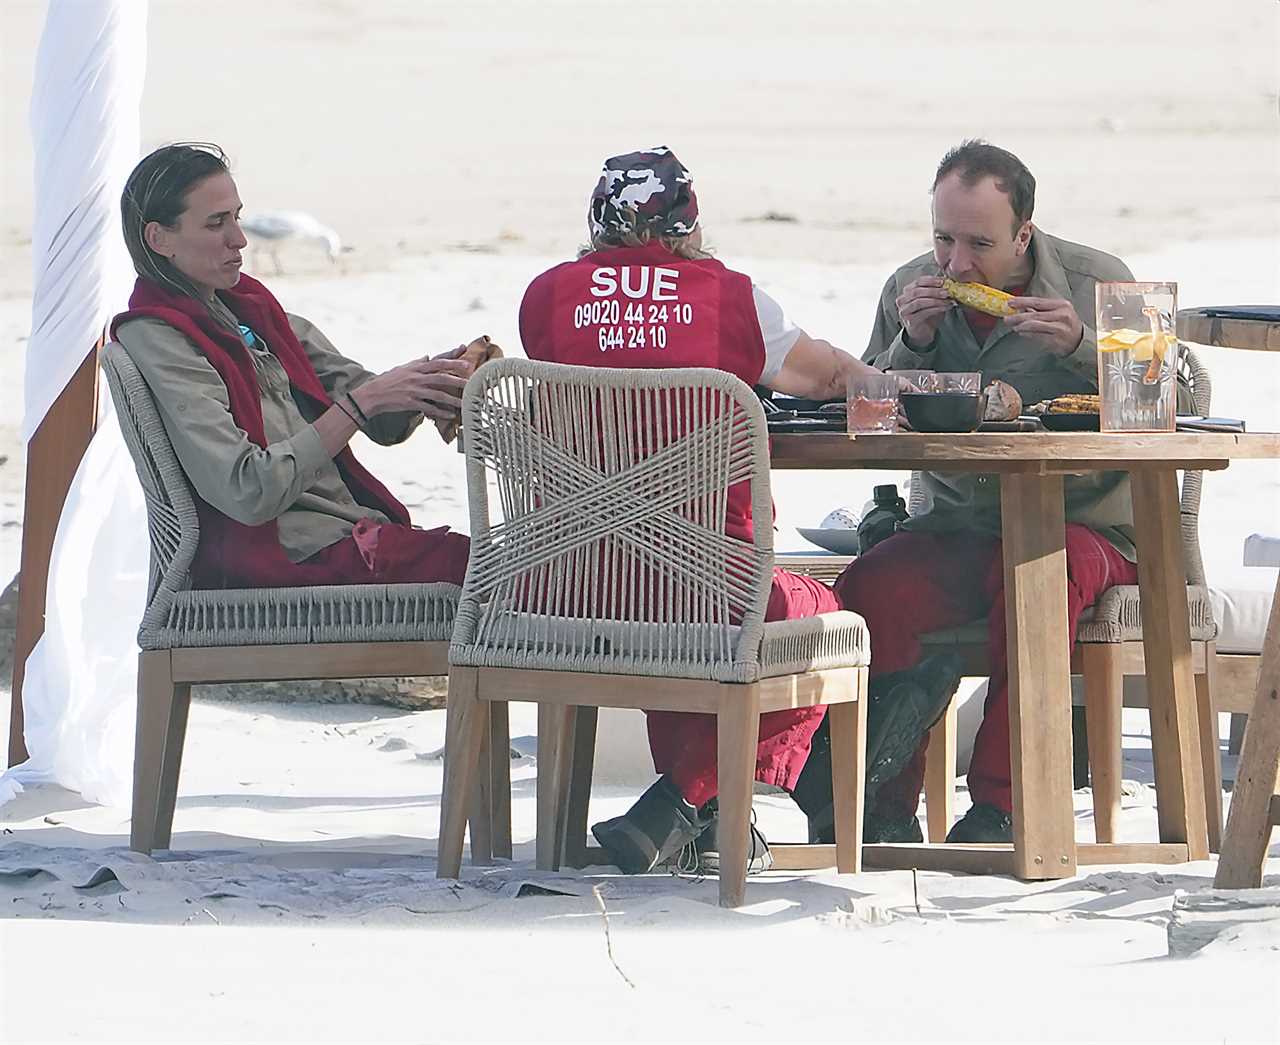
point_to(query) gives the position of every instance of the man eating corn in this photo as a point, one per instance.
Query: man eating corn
(1032, 328)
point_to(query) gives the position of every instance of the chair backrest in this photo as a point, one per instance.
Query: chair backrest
(609, 549)
(1193, 374)
(172, 522)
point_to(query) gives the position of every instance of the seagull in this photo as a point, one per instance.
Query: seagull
(272, 228)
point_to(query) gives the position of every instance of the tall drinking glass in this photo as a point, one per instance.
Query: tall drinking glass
(1137, 356)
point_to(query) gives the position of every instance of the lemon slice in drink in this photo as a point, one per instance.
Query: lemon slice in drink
(1119, 340)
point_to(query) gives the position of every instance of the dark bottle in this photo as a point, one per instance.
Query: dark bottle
(881, 520)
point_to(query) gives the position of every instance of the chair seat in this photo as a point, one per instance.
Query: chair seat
(287, 616)
(829, 640)
(542, 641)
(1116, 617)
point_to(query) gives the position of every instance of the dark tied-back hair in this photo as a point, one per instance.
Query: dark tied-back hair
(976, 159)
(157, 190)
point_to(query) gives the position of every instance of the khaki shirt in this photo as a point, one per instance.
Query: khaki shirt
(292, 479)
(964, 501)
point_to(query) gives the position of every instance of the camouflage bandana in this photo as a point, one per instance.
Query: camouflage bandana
(650, 188)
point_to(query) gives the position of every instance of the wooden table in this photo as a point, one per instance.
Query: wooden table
(1031, 466)
(1202, 326)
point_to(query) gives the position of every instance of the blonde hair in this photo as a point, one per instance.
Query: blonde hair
(642, 236)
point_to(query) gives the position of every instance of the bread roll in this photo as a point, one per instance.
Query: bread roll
(479, 352)
(1003, 402)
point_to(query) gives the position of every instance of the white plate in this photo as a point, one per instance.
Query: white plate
(842, 542)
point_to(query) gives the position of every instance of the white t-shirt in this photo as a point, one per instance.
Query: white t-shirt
(780, 334)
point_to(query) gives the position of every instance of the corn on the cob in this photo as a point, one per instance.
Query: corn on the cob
(1075, 403)
(983, 298)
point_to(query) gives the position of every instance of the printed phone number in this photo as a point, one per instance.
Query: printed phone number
(644, 324)
(593, 313)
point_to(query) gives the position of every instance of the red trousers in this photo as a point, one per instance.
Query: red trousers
(684, 743)
(914, 583)
(388, 553)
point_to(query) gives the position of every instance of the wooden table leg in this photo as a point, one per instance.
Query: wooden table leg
(1166, 640)
(1033, 528)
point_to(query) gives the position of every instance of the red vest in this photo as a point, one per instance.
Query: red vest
(645, 308)
(232, 554)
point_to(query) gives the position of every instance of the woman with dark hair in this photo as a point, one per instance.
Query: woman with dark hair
(260, 406)
(647, 294)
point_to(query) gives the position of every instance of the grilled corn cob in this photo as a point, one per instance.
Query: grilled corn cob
(1075, 403)
(983, 298)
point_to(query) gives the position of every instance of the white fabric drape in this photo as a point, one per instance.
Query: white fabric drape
(85, 130)
(78, 692)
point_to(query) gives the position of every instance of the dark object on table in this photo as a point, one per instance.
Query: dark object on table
(789, 414)
(790, 423)
(1071, 422)
(881, 521)
(1262, 313)
(942, 411)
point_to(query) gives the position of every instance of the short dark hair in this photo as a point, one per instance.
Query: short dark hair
(975, 159)
(157, 190)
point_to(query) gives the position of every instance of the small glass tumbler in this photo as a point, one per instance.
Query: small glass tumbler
(872, 403)
(1137, 356)
(964, 382)
(918, 380)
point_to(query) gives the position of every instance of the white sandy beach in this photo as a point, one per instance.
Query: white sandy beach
(453, 147)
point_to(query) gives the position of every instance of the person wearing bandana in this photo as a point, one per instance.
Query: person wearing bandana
(645, 293)
(260, 406)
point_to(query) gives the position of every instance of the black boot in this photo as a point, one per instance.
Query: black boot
(982, 823)
(902, 707)
(706, 847)
(652, 831)
(880, 826)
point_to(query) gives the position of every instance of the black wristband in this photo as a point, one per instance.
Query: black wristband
(350, 415)
(364, 418)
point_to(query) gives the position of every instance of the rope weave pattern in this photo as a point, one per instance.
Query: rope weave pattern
(177, 616)
(609, 550)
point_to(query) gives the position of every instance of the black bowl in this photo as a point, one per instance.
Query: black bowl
(942, 411)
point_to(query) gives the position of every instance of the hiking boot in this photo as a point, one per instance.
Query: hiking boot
(706, 848)
(652, 831)
(890, 827)
(902, 707)
(876, 827)
(982, 823)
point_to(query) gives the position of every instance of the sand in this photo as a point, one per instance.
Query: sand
(452, 147)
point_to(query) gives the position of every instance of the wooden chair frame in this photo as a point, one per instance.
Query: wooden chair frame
(188, 637)
(624, 474)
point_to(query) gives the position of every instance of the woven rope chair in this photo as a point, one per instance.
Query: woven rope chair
(605, 578)
(248, 635)
(1108, 647)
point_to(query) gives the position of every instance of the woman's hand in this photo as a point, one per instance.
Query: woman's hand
(430, 386)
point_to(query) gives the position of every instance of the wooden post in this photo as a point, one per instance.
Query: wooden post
(53, 455)
(1035, 582)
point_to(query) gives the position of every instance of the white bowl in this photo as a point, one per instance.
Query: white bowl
(842, 542)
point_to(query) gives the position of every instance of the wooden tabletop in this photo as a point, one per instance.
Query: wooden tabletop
(1257, 334)
(1041, 452)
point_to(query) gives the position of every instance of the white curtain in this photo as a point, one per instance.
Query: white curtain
(85, 126)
